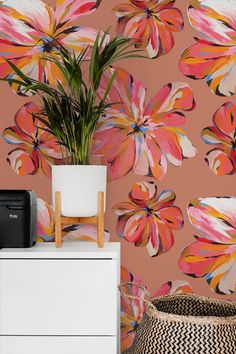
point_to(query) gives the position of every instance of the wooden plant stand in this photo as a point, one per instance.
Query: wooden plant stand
(99, 220)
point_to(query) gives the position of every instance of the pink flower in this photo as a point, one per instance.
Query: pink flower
(139, 137)
(132, 310)
(148, 219)
(35, 148)
(151, 22)
(213, 57)
(31, 29)
(213, 255)
(222, 158)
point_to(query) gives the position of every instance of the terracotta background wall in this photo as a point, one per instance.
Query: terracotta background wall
(193, 179)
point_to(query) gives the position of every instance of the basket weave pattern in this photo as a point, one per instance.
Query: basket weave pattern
(186, 324)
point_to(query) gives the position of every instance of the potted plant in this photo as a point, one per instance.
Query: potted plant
(71, 111)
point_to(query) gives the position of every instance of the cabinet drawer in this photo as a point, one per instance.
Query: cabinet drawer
(58, 345)
(58, 297)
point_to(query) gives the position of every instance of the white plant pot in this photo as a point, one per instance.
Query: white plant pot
(79, 186)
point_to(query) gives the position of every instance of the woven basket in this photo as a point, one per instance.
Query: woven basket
(184, 324)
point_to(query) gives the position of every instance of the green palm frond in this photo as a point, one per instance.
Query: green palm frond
(71, 110)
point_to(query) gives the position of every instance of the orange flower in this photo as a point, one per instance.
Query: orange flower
(31, 29)
(151, 22)
(148, 219)
(35, 148)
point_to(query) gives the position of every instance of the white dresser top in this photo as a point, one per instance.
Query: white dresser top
(72, 249)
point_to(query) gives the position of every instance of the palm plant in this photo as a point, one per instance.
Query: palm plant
(71, 111)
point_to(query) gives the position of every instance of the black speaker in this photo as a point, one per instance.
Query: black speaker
(18, 215)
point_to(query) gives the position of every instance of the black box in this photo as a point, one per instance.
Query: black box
(18, 214)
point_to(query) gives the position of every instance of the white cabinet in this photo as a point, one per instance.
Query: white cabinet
(60, 301)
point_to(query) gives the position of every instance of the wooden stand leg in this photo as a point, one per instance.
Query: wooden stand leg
(100, 239)
(58, 238)
(99, 220)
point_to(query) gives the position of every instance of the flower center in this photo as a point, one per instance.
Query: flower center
(48, 47)
(134, 324)
(139, 128)
(36, 143)
(48, 44)
(149, 210)
(136, 128)
(149, 12)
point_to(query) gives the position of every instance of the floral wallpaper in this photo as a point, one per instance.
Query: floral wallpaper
(169, 142)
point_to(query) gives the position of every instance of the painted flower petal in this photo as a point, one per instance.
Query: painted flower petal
(160, 39)
(120, 224)
(173, 119)
(143, 191)
(172, 18)
(107, 140)
(173, 287)
(158, 4)
(127, 90)
(215, 218)
(213, 136)
(172, 216)
(45, 164)
(142, 156)
(68, 11)
(223, 80)
(158, 162)
(172, 97)
(166, 198)
(45, 221)
(135, 227)
(13, 135)
(144, 239)
(121, 162)
(125, 208)
(214, 20)
(127, 335)
(161, 238)
(215, 262)
(200, 59)
(131, 310)
(34, 13)
(135, 26)
(49, 146)
(225, 119)
(50, 72)
(174, 144)
(166, 237)
(24, 119)
(215, 63)
(83, 233)
(22, 163)
(13, 31)
(124, 10)
(81, 38)
(30, 66)
(219, 162)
